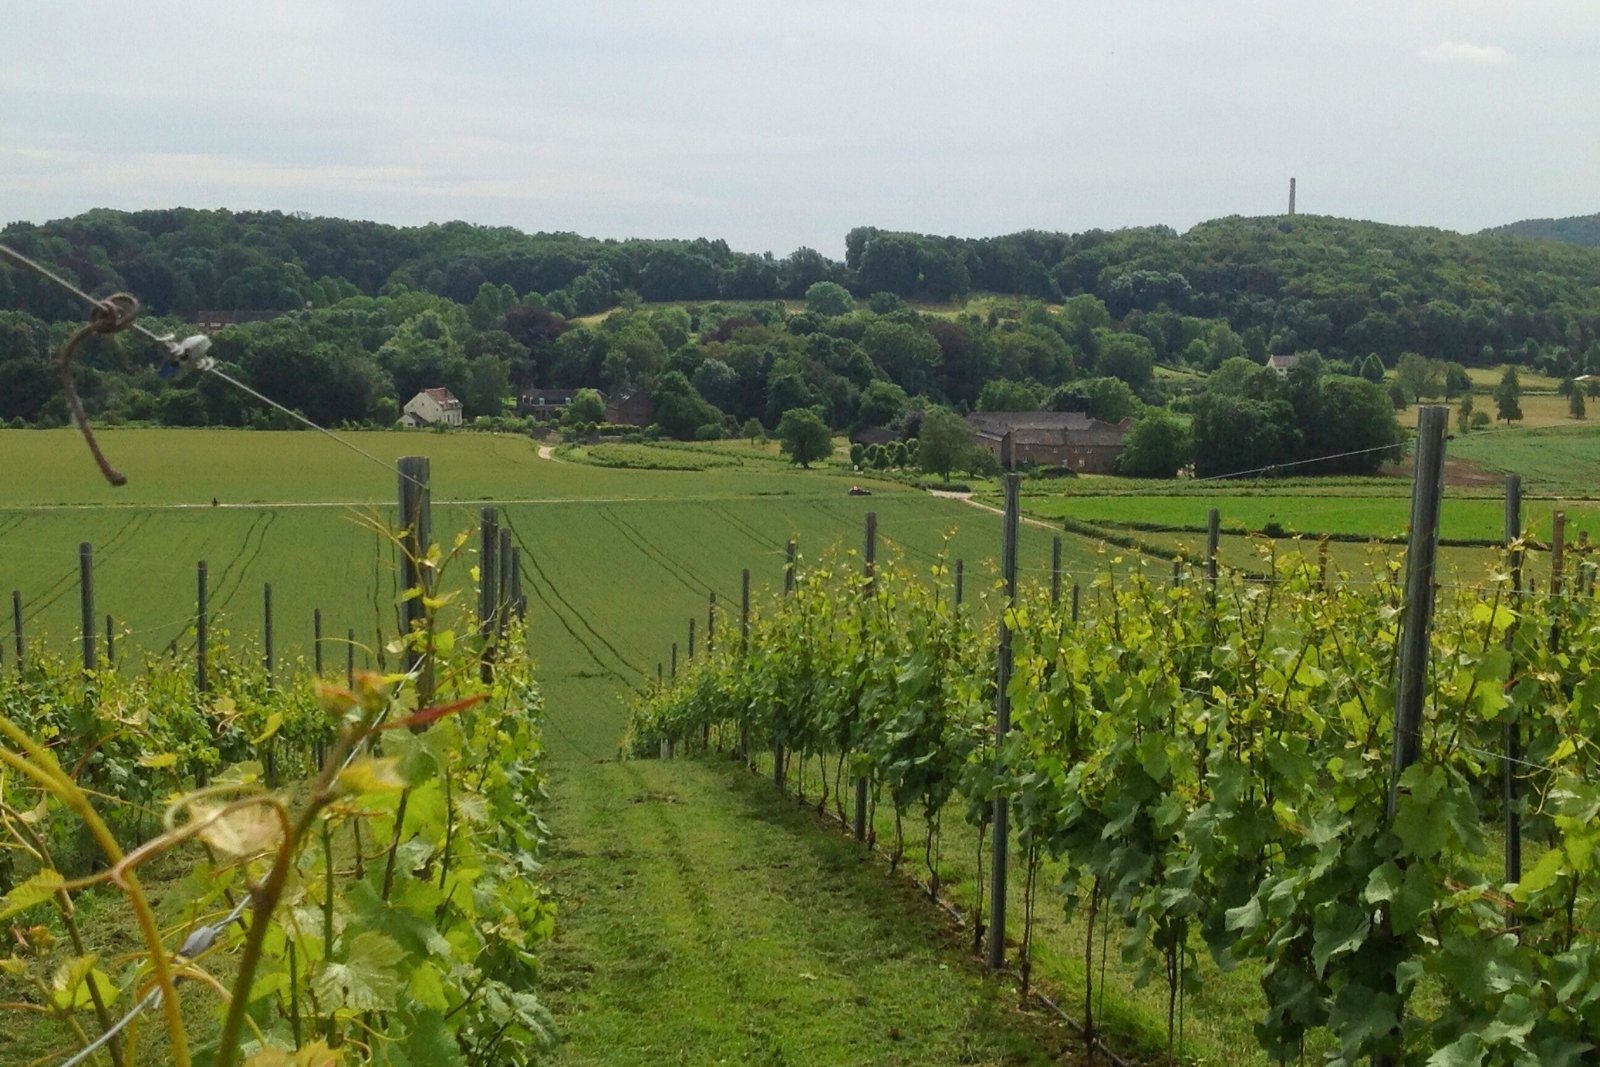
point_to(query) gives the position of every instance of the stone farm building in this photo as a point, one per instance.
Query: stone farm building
(432, 407)
(635, 408)
(1063, 439)
(546, 403)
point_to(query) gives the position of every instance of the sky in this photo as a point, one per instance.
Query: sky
(778, 125)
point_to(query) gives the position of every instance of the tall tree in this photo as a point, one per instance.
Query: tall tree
(1508, 396)
(804, 437)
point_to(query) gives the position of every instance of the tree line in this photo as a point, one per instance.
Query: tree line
(372, 313)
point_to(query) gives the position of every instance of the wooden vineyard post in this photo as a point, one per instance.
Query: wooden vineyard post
(1513, 729)
(111, 642)
(1558, 576)
(316, 640)
(86, 604)
(744, 651)
(416, 534)
(266, 630)
(690, 647)
(519, 603)
(503, 583)
(711, 646)
(1322, 564)
(1427, 497)
(1213, 542)
(1002, 725)
(961, 572)
(788, 591)
(16, 626)
(1055, 571)
(350, 657)
(674, 660)
(1077, 597)
(488, 587)
(869, 561)
(201, 680)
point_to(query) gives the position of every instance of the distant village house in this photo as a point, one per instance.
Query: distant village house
(432, 407)
(633, 408)
(1283, 364)
(546, 403)
(1061, 439)
(212, 321)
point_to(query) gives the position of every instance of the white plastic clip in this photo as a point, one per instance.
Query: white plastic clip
(186, 355)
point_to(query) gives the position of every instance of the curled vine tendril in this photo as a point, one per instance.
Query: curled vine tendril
(111, 315)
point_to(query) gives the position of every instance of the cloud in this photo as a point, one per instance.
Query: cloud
(1481, 55)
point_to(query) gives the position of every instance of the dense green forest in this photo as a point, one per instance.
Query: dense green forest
(375, 312)
(1574, 230)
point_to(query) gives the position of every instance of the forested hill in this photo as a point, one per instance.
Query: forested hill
(1345, 288)
(371, 313)
(1574, 230)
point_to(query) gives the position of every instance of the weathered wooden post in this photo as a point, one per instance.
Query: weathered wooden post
(744, 651)
(870, 556)
(503, 590)
(519, 603)
(16, 625)
(1513, 729)
(711, 646)
(266, 630)
(788, 591)
(1055, 571)
(111, 642)
(1076, 598)
(1002, 725)
(350, 657)
(691, 637)
(488, 587)
(416, 535)
(86, 632)
(1427, 496)
(960, 575)
(201, 626)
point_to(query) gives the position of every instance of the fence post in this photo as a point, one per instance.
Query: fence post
(519, 603)
(86, 603)
(1002, 725)
(788, 590)
(1513, 729)
(488, 587)
(711, 646)
(16, 625)
(201, 626)
(111, 642)
(1427, 495)
(1213, 540)
(690, 649)
(1055, 571)
(961, 569)
(674, 659)
(1076, 597)
(266, 631)
(1558, 552)
(416, 535)
(350, 657)
(503, 583)
(744, 651)
(869, 588)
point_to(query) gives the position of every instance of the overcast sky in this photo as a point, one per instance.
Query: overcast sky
(781, 124)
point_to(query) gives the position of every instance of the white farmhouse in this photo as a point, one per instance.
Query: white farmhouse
(432, 407)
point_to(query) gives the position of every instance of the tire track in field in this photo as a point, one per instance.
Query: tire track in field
(244, 568)
(745, 528)
(65, 584)
(532, 560)
(688, 576)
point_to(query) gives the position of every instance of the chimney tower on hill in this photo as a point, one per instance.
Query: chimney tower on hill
(1291, 196)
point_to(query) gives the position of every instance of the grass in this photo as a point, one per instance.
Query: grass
(1559, 460)
(704, 919)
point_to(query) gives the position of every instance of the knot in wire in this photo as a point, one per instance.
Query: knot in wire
(116, 312)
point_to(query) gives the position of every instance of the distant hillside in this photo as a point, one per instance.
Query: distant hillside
(1577, 230)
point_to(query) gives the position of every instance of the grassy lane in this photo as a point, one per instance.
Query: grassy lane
(705, 920)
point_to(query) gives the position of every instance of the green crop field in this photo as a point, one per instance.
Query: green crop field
(615, 561)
